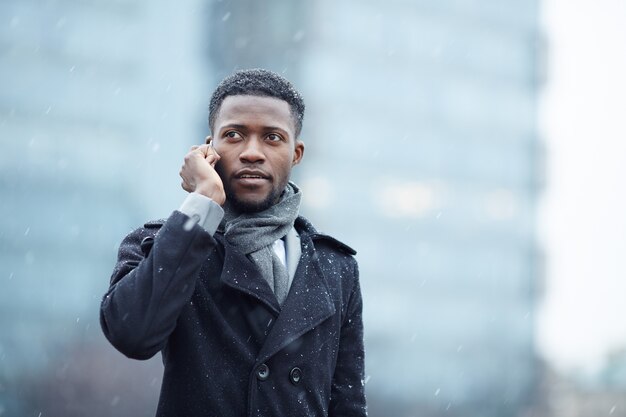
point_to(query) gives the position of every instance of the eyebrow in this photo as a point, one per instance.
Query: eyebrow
(244, 127)
(234, 125)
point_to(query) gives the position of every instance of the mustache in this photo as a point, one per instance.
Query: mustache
(244, 170)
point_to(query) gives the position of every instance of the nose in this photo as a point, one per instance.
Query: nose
(252, 152)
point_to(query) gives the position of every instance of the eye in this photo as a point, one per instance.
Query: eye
(273, 137)
(232, 134)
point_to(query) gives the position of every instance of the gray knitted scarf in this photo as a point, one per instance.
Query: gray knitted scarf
(255, 233)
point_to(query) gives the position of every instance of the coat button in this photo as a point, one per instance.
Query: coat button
(263, 372)
(146, 244)
(295, 375)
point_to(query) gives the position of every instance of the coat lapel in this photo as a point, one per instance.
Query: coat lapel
(241, 274)
(308, 304)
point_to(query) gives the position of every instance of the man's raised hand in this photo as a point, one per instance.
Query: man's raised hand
(199, 175)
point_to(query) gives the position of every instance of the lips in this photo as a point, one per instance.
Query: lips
(252, 174)
(252, 178)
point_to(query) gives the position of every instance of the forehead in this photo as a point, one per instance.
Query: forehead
(255, 110)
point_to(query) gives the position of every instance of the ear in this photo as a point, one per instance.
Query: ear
(298, 152)
(208, 140)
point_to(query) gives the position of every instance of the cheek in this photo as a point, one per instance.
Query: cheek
(218, 147)
(224, 163)
(282, 160)
(222, 145)
(226, 154)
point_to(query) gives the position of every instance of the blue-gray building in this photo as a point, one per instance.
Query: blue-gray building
(98, 101)
(425, 127)
(421, 153)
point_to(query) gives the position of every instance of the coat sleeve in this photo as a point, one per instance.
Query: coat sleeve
(348, 390)
(148, 293)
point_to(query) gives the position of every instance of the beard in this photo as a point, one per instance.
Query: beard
(245, 206)
(242, 206)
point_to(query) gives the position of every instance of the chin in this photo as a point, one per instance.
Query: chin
(251, 202)
(251, 206)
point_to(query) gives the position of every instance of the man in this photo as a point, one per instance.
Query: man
(254, 311)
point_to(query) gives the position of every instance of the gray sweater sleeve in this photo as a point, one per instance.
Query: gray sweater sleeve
(202, 210)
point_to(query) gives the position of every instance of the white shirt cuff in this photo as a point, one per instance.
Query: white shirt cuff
(206, 212)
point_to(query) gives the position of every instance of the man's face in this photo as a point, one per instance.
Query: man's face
(255, 137)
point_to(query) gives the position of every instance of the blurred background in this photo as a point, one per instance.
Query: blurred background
(472, 152)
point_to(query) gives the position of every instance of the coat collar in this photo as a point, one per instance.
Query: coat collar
(308, 304)
(305, 227)
(241, 273)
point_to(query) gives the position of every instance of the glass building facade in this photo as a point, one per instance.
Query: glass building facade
(98, 101)
(428, 163)
(421, 154)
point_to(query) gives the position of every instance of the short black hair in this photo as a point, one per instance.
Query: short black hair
(258, 82)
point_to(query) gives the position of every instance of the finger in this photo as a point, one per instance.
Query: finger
(193, 148)
(186, 183)
(184, 174)
(212, 159)
(193, 157)
(214, 154)
(202, 150)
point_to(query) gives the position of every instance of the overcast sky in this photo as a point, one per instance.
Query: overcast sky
(583, 218)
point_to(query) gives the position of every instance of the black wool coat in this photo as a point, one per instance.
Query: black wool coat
(228, 348)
